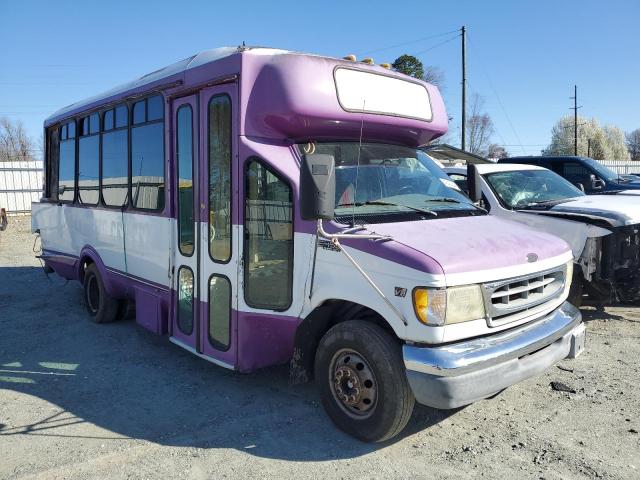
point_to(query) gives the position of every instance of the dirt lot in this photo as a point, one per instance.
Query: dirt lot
(79, 400)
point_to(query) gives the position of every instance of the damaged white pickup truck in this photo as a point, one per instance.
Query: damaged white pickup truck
(602, 230)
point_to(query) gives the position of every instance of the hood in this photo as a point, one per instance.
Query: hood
(471, 244)
(629, 192)
(615, 209)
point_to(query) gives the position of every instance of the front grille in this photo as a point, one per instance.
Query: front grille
(509, 300)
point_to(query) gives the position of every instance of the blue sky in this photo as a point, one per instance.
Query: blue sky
(523, 57)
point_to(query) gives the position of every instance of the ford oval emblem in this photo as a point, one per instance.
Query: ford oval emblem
(532, 257)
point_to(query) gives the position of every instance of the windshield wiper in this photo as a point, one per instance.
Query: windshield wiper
(443, 199)
(544, 203)
(389, 204)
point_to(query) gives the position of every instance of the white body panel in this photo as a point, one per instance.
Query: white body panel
(67, 229)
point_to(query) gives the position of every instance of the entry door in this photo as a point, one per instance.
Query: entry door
(219, 233)
(185, 304)
(206, 243)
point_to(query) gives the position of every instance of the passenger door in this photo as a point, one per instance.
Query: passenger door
(185, 305)
(220, 242)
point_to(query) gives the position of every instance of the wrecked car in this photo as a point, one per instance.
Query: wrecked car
(602, 230)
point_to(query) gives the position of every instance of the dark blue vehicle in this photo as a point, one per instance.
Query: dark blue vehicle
(588, 174)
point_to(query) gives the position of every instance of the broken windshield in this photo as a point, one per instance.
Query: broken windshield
(531, 188)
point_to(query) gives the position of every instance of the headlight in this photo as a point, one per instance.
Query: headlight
(448, 305)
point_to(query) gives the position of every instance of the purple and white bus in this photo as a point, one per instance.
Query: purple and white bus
(262, 206)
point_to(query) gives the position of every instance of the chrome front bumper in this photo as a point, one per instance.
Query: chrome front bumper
(457, 374)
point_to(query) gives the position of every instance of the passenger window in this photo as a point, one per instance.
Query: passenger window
(121, 116)
(184, 155)
(139, 115)
(577, 174)
(94, 123)
(88, 165)
(67, 165)
(107, 120)
(155, 110)
(219, 125)
(147, 160)
(185, 300)
(115, 166)
(219, 311)
(268, 248)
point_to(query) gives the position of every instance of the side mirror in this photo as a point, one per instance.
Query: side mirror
(317, 186)
(596, 183)
(474, 183)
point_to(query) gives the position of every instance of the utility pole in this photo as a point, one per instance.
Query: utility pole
(464, 86)
(589, 148)
(575, 119)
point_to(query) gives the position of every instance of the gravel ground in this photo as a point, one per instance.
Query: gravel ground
(79, 401)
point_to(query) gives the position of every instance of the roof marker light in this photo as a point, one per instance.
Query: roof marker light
(385, 65)
(351, 57)
(368, 61)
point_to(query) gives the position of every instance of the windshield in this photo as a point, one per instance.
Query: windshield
(525, 188)
(603, 171)
(393, 183)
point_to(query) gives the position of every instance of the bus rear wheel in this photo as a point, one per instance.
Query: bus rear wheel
(101, 307)
(363, 385)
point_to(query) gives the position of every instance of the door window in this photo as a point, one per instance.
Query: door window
(268, 248)
(219, 126)
(185, 300)
(184, 155)
(219, 311)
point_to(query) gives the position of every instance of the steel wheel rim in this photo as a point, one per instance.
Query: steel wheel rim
(93, 294)
(353, 383)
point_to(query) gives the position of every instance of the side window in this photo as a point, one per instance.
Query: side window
(115, 161)
(184, 155)
(147, 155)
(219, 311)
(185, 300)
(577, 173)
(268, 250)
(67, 162)
(219, 127)
(460, 180)
(88, 161)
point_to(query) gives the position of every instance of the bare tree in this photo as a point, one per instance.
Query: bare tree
(497, 151)
(434, 76)
(479, 127)
(632, 139)
(15, 144)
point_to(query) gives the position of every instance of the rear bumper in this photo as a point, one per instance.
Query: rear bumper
(454, 375)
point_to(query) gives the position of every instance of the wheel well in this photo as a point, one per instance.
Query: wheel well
(316, 324)
(84, 263)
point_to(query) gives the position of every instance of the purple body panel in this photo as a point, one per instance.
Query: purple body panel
(264, 339)
(468, 244)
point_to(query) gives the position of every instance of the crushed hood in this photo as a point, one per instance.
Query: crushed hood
(615, 209)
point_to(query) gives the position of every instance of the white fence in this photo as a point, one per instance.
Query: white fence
(622, 167)
(20, 184)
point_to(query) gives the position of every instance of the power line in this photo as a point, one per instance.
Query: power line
(437, 45)
(436, 35)
(504, 110)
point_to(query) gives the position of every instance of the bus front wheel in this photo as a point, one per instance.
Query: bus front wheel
(101, 307)
(363, 385)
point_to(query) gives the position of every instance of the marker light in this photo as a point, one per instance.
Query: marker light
(430, 305)
(351, 57)
(368, 61)
(385, 65)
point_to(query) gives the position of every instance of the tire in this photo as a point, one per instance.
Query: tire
(101, 307)
(378, 402)
(576, 291)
